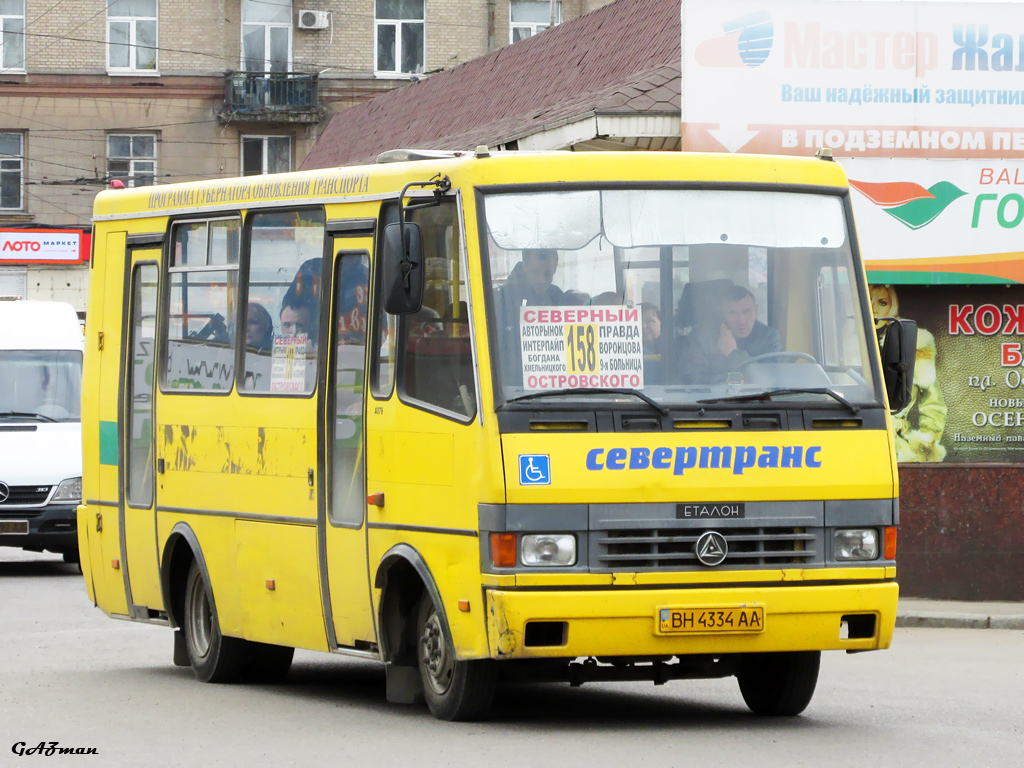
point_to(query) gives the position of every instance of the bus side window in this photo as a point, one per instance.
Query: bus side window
(282, 312)
(203, 286)
(436, 366)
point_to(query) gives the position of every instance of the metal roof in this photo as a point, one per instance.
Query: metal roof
(613, 74)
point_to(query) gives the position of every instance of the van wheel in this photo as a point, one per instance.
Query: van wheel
(454, 690)
(267, 663)
(71, 556)
(779, 684)
(214, 658)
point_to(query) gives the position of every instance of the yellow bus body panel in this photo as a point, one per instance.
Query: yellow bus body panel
(573, 483)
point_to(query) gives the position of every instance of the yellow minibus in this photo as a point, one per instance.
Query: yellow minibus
(495, 416)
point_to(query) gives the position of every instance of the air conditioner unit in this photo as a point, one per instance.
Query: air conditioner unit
(314, 19)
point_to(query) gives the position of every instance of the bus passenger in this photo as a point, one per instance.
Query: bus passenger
(259, 328)
(300, 313)
(573, 298)
(300, 307)
(530, 281)
(653, 342)
(353, 297)
(721, 344)
(529, 284)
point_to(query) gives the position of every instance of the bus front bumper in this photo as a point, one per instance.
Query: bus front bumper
(625, 623)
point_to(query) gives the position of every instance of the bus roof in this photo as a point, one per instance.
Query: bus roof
(385, 180)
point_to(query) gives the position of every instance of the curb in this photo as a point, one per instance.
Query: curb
(959, 621)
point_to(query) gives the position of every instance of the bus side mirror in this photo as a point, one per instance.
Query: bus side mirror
(899, 352)
(403, 272)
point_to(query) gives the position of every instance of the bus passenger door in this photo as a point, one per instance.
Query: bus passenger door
(138, 510)
(343, 531)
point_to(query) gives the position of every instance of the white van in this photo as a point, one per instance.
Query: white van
(41, 345)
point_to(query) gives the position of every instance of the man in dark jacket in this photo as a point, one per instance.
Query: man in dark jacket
(528, 284)
(714, 349)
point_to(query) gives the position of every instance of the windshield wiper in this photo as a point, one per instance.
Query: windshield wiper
(593, 391)
(25, 415)
(767, 395)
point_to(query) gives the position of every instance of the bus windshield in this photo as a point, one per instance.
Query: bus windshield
(682, 295)
(45, 385)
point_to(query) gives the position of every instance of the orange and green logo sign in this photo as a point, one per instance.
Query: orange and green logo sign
(907, 202)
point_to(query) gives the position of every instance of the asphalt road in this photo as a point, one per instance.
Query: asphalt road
(68, 674)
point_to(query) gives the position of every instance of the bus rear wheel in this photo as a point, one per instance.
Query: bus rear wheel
(779, 684)
(214, 658)
(453, 689)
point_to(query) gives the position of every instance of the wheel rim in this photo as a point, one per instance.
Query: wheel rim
(435, 660)
(199, 618)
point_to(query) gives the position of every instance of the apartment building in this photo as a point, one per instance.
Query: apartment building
(138, 92)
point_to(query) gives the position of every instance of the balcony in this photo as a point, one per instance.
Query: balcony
(270, 97)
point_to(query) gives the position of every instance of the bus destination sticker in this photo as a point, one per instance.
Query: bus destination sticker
(581, 347)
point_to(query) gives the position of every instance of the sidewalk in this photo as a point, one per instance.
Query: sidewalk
(919, 612)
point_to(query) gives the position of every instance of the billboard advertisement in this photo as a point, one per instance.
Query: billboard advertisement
(968, 395)
(921, 102)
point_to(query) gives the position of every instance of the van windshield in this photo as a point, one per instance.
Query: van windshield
(683, 295)
(42, 385)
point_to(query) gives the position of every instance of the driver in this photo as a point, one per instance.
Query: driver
(727, 341)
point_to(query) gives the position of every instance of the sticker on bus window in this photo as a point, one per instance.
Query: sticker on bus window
(579, 347)
(288, 364)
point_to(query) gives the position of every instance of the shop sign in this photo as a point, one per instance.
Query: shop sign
(44, 246)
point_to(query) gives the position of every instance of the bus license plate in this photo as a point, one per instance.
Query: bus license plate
(747, 618)
(14, 526)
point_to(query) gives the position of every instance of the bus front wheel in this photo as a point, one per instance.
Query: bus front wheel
(779, 684)
(453, 689)
(214, 658)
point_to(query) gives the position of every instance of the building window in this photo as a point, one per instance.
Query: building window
(131, 157)
(399, 36)
(266, 35)
(266, 154)
(131, 36)
(12, 171)
(528, 17)
(12, 35)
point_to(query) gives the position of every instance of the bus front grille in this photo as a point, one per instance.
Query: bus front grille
(675, 548)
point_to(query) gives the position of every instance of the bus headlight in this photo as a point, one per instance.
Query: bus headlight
(855, 544)
(68, 491)
(548, 549)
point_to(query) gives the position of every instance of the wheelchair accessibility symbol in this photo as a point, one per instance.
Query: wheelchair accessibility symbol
(534, 469)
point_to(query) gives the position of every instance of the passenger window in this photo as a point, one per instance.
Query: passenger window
(204, 282)
(282, 317)
(385, 329)
(436, 366)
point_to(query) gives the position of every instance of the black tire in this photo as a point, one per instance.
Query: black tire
(779, 684)
(214, 658)
(453, 689)
(267, 663)
(71, 556)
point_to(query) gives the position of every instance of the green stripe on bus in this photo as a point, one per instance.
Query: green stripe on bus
(108, 443)
(876, 277)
